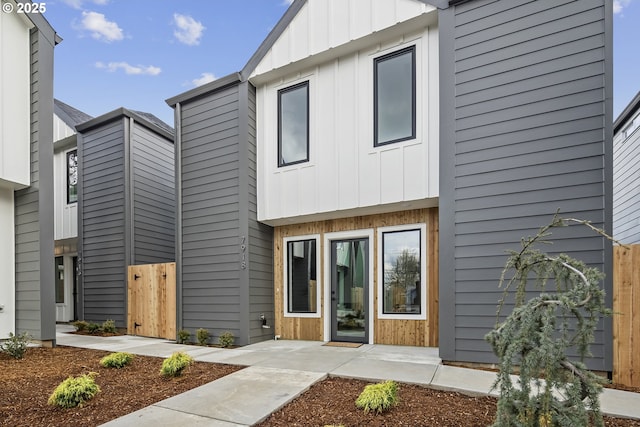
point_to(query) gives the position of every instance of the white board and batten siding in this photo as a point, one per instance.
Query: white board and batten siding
(14, 150)
(66, 214)
(15, 110)
(335, 53)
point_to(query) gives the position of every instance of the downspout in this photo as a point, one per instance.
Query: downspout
(178, 221)
(128, 211)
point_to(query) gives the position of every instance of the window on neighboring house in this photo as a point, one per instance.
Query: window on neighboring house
(301, 276)
(59, 281)
(394, 77)
(72, 176)
(293, 124)
(402, 272)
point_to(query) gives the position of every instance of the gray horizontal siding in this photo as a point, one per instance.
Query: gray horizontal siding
(103, 222)
(153, 197)
(209, 203)
(33, 206)
(626, 188)
(525, 140)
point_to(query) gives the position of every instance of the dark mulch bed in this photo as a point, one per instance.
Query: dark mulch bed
(331, 402)
(27, 384)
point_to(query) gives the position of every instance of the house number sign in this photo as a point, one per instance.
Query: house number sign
(243, 253)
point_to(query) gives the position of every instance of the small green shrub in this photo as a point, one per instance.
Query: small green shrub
(184, 336)
(80, 325)
(109, 326)
(16, 345)
(175, 364)
(93, 328)
(74, 391)
(203, 336)
(116, 360)
(378, 397)
(226, 339)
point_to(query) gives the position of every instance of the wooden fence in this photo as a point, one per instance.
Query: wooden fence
(626, 318)
(151, 310)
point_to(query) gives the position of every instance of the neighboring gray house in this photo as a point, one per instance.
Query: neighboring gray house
(224, 276)
(27, 300)
(507, 118)
(126, 206)
(65, 185)
(626, 174)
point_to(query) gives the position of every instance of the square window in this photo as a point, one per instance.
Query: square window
(402, 274)
(301, 268)
(293, 124)
(72, 176)
(394, 77)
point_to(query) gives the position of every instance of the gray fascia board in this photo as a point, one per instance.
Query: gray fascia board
(271, 38)
(119, 113)
(213, 86)
(626, 114)
(42, 25)
(440, 4)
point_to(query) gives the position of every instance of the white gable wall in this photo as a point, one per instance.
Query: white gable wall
(61, 130)
(15, 87)
(322, 25)
(346, 174)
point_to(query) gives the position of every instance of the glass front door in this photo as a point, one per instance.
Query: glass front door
(350, 290)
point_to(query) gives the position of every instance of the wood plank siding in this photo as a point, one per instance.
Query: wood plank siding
(396, 332)
(526, 89)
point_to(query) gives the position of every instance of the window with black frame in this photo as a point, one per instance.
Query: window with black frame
(395, 97)
(72, 176)
(302, 286)
(293, 124)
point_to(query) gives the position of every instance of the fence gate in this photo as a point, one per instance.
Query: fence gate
(626, 317)
(151, 294)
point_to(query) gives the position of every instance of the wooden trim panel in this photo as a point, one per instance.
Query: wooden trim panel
(396, 332)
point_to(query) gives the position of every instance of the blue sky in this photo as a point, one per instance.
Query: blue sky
(137, 53)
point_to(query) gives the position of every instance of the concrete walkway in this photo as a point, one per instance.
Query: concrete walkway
(279, 371)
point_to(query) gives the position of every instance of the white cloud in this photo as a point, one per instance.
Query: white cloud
(100, 27)
(618, 5)
(149, 70)
(203, 79)
(189, 30)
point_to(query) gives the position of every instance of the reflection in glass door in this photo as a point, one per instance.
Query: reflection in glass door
(349, 290)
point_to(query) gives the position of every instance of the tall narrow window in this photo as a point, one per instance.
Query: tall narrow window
(59, 280)
(302, 285)
(72, 176)
(394, 77)
(293, 124)
(402, 281)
